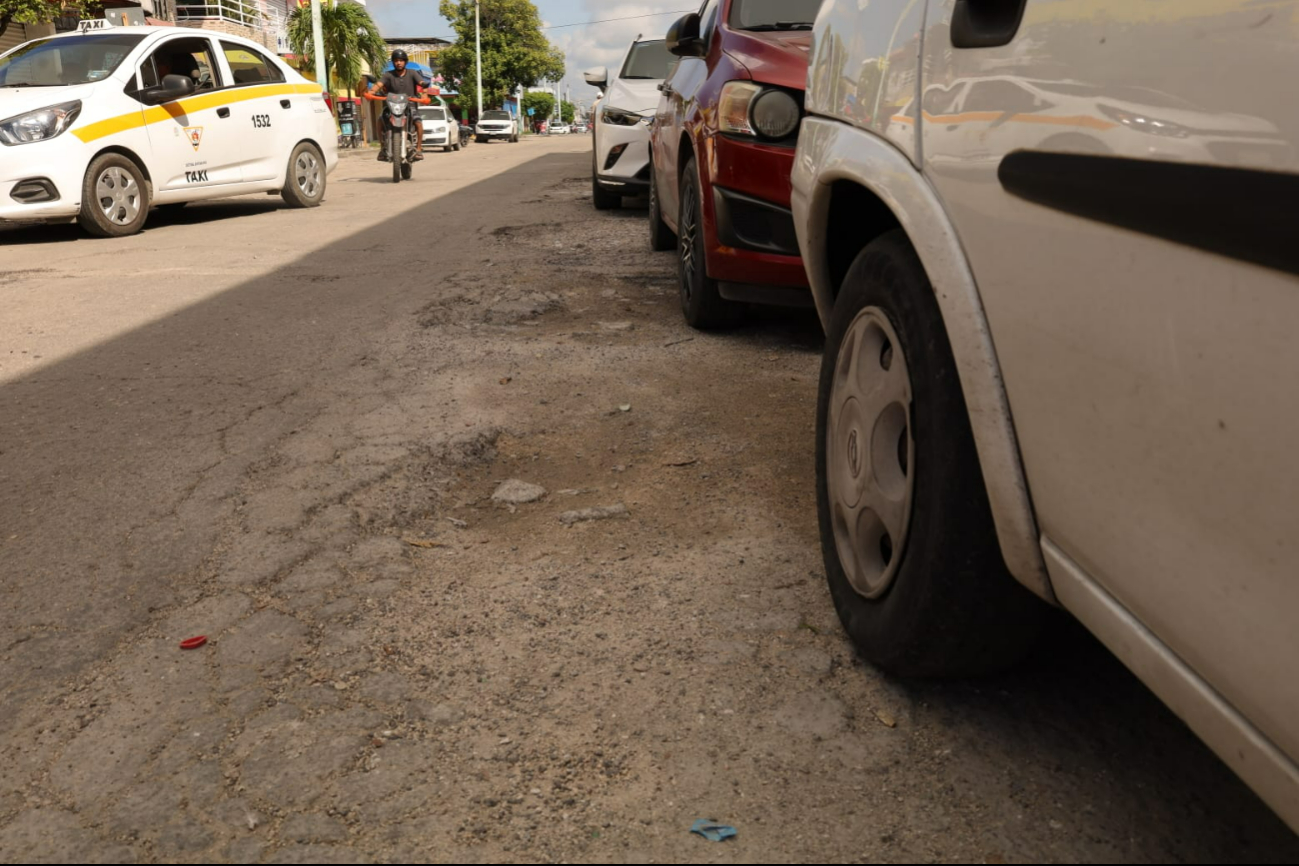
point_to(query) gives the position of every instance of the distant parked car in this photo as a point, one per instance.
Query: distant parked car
(439, 130)
(496, 125)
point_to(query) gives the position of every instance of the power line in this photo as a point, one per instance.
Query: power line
(608, 20)
(452, 39)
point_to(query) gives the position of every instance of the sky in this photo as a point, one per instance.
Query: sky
(584, 46)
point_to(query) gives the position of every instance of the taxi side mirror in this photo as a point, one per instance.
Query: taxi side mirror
(597, 77)
(172, 87)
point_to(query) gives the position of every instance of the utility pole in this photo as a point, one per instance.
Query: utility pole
(318, 46)
(478, 40)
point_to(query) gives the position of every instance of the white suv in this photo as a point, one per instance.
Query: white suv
(620, 123)
(496, 124)
(1058, 289)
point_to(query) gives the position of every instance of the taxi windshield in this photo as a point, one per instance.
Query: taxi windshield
(66, 60)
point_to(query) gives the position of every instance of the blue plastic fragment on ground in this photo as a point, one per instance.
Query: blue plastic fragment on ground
(712, 831)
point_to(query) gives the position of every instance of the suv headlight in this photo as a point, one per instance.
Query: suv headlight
(746, 108)
(39, 125)
(618, 117)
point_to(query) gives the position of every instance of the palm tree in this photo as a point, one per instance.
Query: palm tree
(351, 38)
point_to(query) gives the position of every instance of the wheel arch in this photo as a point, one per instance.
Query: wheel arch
(851, 187)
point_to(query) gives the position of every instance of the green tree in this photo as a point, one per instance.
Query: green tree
(515, 53)
(567, 111)
(351, 39)
(40, 11)
(544, 103)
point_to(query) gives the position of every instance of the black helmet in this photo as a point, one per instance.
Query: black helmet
(399, 55)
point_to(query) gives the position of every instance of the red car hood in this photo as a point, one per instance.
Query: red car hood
(772, 58)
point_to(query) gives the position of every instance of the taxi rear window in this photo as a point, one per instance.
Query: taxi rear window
(248, 66)
(66, 60)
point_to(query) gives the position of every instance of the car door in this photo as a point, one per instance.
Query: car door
(262, 110)
(1142, 314)
(680, 92)
(193, 141)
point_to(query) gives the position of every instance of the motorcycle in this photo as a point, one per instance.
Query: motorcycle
(403, 136)
(349, 126)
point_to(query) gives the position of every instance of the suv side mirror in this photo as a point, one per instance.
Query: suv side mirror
(597, 77)
(683, 37)
(172, 87)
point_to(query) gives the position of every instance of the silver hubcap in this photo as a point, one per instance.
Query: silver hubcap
(687, 245)
(870, 453)
(306, 173)
(118, 195)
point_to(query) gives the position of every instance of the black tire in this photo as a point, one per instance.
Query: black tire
(456, 146)
(394, 153)
(951, 607)
(406, 169)
(702, 305)
(304, 182)
(118, 208)
(661, 237)
(601, 197)
(481, 140)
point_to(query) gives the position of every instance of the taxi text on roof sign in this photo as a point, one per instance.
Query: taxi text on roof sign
(88, 24)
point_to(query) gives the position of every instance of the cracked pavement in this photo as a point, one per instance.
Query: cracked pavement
(283, 429)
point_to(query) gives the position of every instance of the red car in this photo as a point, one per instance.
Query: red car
(722, 150)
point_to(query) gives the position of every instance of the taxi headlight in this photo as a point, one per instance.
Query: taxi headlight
(39, 125)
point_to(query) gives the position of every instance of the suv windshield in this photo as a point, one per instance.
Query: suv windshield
(66, 60)
(496, 115)
(774, 14)
(648, 60)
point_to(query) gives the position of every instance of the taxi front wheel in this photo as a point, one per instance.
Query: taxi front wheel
(304, 185)
(114, 197)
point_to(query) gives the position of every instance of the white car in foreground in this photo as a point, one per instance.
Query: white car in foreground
(620, 163)
(102, 125)
(1060, 298)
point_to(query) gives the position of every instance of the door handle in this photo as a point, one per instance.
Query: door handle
(284, 103)
(985, 23)
(223, 112)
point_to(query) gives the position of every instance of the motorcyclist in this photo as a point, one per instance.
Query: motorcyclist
(404, 81)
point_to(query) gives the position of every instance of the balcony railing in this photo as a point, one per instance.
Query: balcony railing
(258, 16)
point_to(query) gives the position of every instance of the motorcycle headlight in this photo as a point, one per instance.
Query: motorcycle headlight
(39, 125)
(618, 117)
(397, 108)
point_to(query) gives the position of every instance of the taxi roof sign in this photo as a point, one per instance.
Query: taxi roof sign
(131, 17)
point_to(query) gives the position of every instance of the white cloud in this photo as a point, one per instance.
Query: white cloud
(606, 44)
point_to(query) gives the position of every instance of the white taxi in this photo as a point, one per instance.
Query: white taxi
(100, 125)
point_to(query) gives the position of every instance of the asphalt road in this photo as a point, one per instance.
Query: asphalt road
(283, 430)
